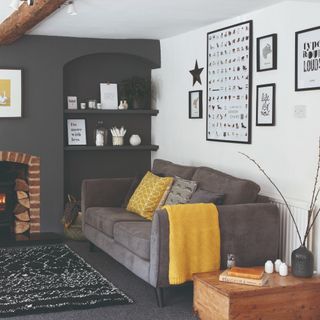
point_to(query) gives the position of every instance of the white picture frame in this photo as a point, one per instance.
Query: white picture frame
(109, 96)
(10, 93)
(72, 102)
(77, 134)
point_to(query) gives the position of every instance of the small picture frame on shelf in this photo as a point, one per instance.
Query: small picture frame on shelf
(77, 133)
(72, 103)
(195, 104)
(267, 52)
(10, 93)
(266, 104)
(109, 96)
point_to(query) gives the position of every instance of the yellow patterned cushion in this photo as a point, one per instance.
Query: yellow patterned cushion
(148, 194)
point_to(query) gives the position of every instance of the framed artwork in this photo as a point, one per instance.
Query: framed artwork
(267, 52)
(77, 133)
(266, 105)
(229, 83)
(307, 69)
(72, 102)
(109, 96)
(10, 93)
(195, 104)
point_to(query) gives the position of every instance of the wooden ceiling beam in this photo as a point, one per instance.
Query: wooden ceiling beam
(25, 18)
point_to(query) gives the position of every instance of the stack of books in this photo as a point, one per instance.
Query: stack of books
(250, 276)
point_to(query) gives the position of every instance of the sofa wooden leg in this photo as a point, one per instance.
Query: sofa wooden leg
(92, 247)
(160, 297)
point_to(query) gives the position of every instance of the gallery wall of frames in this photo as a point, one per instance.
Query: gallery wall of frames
(229, 79)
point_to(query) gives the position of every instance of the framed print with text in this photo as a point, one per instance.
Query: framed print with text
(77, 133)
(266, 105)
(307, 69)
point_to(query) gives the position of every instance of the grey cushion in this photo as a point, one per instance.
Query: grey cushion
(134, 236)
(104, 219)
(169, 169)
(204, 196)
(181, 191)
(237, 191)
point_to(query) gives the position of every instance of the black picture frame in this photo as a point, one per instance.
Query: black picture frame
(273, 39)
(272, 118)
(314, 81)
(248, 94)
(85, 132)
(199, 94)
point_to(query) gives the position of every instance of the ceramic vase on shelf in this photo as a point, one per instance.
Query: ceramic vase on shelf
(302, 262)
(135, 140)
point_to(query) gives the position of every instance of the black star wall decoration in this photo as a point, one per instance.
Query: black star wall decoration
(196, 73)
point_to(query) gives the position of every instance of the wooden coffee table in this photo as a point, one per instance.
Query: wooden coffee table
(285, 298)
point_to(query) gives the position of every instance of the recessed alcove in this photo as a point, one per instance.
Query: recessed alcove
(81, 78)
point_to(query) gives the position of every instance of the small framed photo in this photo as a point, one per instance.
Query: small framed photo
(267, 52)
(307, 69)
(109, 96)
(77, 133)
(72, 103)
(10, 93)
(195, 104)
(266, 105)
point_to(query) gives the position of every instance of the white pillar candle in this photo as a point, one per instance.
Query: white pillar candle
(268, 267)
(277, 265)
(283, 270)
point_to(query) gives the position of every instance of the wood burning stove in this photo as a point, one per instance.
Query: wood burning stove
(7, 201)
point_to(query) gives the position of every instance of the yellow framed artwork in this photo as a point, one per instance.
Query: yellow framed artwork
(10, 93)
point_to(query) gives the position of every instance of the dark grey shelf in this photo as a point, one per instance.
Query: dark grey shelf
(112, 148)
(117, 112)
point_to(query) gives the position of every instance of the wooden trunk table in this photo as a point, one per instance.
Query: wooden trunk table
(283, 298)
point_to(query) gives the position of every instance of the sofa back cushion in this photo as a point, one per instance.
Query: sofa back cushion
(165, 168)
(235, 190)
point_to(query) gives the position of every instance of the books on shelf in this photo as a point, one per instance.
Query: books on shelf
(243, 276)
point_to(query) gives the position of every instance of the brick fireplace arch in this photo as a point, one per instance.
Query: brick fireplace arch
(33, 163)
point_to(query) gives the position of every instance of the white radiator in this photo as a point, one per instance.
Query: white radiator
(289, 239)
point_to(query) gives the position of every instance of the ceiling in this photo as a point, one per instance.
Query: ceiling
(146, 19)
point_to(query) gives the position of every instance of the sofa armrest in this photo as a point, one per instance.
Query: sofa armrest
(159, 250)
(109, 192)
(251, 232)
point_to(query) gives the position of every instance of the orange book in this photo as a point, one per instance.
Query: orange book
(249, 273)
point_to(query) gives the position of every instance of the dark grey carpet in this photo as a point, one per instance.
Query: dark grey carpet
(178, 299)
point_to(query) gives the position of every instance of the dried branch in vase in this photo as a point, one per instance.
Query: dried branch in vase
(313, 212)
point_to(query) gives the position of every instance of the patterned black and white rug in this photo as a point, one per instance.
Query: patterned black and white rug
(51, 278)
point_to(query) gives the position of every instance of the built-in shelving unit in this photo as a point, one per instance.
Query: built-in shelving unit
(82, 78)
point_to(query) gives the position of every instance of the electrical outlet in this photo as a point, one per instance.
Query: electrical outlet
(300, 112)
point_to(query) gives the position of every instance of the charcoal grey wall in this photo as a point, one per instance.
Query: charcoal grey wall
(40, 131)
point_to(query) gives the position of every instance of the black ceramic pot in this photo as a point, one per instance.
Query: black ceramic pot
(302, 262)
(138, 103)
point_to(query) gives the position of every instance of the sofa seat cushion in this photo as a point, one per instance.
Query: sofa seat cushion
(135, 236)
(236, 191)
(104, 219)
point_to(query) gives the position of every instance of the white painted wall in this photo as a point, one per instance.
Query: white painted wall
(287, 151)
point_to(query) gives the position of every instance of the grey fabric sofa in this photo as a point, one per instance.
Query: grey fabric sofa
(249, 224)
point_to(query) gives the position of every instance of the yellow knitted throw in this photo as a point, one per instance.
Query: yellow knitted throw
(194, 240)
